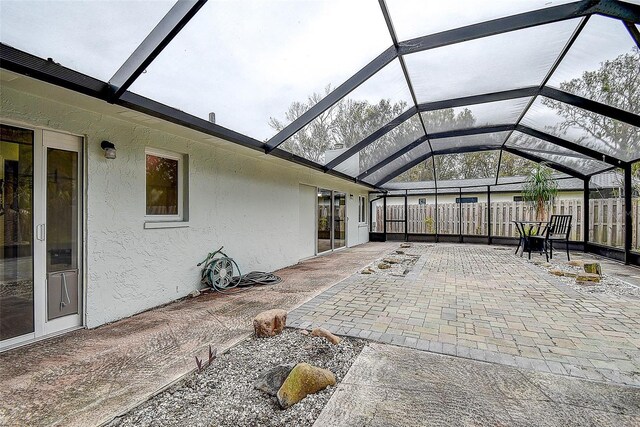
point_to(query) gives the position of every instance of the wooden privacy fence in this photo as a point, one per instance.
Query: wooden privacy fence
(606, 224)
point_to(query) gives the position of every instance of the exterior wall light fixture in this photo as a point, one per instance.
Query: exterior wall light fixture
(109, 149)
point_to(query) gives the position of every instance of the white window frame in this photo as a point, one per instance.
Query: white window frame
(362, 213)
(172, 156)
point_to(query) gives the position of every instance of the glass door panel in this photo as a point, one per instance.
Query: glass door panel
(339, 220)
(62, 232)
(16, 233)
(324, 220)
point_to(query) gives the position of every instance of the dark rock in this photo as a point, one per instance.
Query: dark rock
(271, 380)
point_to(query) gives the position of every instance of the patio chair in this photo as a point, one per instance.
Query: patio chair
(557, 231)
(522, 237)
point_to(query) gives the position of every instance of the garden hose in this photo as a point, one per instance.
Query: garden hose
(218, 270)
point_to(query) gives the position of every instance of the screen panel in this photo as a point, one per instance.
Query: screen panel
(420, 176)
(480, 165)
(415, 18)
(573, 160)
(485, 114)
(501, 62)
(388, 144)
(606, 135)
(602, 65)
(92, 37)
(250, 60)
(376, 102)
(421, 150)
(485, 141)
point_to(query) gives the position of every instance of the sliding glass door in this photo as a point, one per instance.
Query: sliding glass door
(331, 226)
(16, 233)
(339, 220)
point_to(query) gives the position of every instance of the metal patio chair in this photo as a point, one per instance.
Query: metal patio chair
(522, 237)
(557, 231)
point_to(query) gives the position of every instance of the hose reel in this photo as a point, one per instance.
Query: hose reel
(221, 273)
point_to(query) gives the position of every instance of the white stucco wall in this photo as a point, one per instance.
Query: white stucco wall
(307, 200)
(238, 198)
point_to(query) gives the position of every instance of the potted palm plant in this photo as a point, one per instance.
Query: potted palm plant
(540, 189)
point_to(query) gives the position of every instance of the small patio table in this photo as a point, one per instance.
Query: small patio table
(526, 229)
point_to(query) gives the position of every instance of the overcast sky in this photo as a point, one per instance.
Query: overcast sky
(248, 60)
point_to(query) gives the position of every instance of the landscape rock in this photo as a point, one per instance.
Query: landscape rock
(195, 293)
(384, 266)
(271, 380)
(405, 245)
(304, 332)
(576, 263)
(399, 252)
(593, 268)
(321, 332)
(365, 271)
(557, 272)
(390, 260)
(569, 274)
(304, 379)
(587, 277)
(269, 323)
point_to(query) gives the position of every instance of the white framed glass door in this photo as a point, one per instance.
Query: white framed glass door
(41, 234)
(331, 214)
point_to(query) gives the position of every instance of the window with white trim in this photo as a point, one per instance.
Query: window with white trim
(164, 185)
(362, 215)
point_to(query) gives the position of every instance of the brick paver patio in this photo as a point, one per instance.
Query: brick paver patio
(485, 303)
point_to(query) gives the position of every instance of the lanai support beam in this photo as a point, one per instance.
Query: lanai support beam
(552, 165)
(628, 217)
(372, 138)
(585, 213)
(434, 136)
(332, 98)
(592, 106)
(168, 27)
(586, 151)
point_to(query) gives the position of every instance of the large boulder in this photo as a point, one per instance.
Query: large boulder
(270, 381)
(303, 380)
(384, 266)
(593, 268)
(322, 332)
(269, 323)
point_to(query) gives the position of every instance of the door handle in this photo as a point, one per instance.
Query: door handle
(40, 232)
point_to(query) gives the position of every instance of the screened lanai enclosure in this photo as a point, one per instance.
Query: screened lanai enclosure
(440, 108)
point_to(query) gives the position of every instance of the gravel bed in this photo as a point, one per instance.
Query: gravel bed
(403, 260)
(609, 285)
(223, 394)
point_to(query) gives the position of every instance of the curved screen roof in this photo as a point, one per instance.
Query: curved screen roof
(367, 90)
